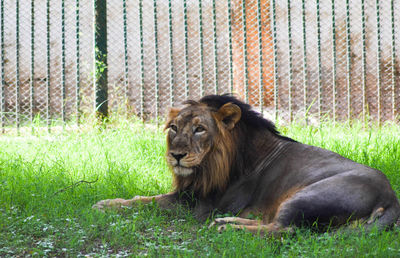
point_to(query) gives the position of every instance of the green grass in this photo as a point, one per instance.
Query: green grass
(48, 183)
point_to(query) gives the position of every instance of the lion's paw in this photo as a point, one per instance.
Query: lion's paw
(221, 221)
(226, 226)
(222, 228)
(108, 204)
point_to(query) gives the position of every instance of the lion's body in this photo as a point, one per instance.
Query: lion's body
(226, 158)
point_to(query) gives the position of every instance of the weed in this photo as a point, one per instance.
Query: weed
(48, 183)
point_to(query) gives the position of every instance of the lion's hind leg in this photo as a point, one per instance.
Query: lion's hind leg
(339, 201)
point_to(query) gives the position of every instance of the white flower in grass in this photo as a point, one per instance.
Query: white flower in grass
(28, 218)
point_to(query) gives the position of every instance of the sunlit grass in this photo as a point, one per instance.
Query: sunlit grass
(48, 183)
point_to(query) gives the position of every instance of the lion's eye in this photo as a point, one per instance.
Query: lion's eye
(174, 128)
(199, 129)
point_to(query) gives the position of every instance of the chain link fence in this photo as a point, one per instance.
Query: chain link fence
(289, 59)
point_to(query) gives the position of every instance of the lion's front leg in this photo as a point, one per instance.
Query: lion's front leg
(163, 200)
(110, 204)
(251, 225)
(235, 220)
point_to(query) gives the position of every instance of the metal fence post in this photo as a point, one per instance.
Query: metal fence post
(290, 55)
(32, 71)
(186, 49)
(276, 75)
(2, 58)
(245, 52)
(156, 55)
(378, 61)
(334, 62)
(78, 61)
(63, 61)
(126, 63)
(17, 68)
(171, 55)
(348, 60)
(393, 59)
(100, 39)
(48, 65)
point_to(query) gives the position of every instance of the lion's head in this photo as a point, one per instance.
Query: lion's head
(200, 145)
(209, 141)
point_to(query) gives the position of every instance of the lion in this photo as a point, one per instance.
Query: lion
(227, 159)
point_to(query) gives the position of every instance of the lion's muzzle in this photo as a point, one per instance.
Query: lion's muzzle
(179, 163)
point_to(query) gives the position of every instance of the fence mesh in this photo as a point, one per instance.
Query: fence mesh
(337, 59)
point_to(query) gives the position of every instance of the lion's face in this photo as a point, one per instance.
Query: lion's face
(190, 138)
(192, 133)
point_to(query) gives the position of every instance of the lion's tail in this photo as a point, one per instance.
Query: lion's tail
(385, 218)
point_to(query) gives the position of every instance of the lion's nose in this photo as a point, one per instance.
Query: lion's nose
(178, 156)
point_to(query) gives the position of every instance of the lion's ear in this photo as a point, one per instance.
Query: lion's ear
(173, 112)
(229, 114)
